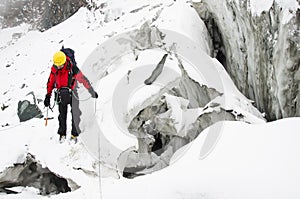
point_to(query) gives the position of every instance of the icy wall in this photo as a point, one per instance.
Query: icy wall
(260, 51)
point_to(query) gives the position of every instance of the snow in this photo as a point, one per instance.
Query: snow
(247, 162)
(287, 16)
(288, 4)
(180, 114)
(258, 6)
(192, 29)
(241, 161)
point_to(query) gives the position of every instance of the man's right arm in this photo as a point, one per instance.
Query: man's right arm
(50, 83)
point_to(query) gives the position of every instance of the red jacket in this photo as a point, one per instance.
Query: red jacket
(59, 77)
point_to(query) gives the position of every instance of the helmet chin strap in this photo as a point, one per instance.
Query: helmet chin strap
(58, 67)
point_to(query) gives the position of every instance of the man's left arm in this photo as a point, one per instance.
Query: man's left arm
(86, 83)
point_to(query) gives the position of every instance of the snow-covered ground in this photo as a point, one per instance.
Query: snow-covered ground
(227, 160)
(248, 161)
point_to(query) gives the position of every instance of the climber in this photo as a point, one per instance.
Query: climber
(63, 76)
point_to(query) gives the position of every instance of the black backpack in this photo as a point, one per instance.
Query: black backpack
(70, 53)
(74, 70)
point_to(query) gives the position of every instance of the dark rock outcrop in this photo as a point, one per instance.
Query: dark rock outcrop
(28, 110)
(32, 174)
(42, 15)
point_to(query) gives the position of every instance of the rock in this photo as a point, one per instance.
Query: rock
(157, 71)
(32, 174)
(27, 110)
(42, 15)
(148, 36)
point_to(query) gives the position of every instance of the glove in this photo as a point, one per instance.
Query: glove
(93, 93)
(47, 100)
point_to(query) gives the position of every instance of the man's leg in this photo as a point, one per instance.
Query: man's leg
(62, 118)
(65, 99)
(75, 117)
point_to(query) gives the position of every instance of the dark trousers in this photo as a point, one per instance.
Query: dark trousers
(65, 98)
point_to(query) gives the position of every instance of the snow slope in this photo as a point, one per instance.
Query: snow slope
(248, 161)
(227, 160)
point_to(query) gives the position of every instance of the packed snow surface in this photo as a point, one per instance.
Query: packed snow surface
(227, 160)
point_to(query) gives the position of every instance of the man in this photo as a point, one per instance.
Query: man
(63, 76)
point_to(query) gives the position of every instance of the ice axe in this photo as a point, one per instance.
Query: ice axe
(48, 118)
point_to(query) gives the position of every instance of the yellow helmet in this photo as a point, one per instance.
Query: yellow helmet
(59, 58)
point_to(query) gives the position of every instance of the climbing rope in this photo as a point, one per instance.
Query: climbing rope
(77, 98)
(99, 158)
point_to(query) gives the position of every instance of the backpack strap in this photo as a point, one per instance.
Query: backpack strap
(70, 74)
(55, 75)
